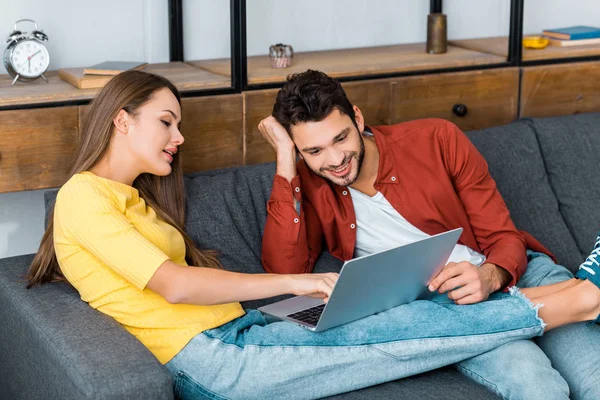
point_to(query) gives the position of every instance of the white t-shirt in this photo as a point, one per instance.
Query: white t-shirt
(380, 227)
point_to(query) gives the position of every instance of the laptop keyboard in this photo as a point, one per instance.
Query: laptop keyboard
(310, 315)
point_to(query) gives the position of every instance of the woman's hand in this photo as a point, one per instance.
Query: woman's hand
(313, 285)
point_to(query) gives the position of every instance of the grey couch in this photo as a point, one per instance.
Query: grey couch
(54, 346)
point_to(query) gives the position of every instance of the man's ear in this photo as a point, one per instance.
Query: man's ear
(121, 122)
(360, 120)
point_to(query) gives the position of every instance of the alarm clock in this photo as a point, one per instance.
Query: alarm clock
(26, 57)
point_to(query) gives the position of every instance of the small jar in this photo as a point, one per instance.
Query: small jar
(281, 55)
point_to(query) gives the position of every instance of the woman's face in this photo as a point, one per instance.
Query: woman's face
(153, 133)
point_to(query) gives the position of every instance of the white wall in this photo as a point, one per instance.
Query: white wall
(84, 32)
(21, 222)
(545, 14)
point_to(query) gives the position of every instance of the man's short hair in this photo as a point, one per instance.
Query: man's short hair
(310, 96)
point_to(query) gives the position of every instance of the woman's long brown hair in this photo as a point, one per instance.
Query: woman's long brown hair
(165, 194)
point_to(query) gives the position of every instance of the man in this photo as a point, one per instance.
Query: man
(362, 190)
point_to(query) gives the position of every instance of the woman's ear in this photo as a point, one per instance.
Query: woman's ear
(121, 122)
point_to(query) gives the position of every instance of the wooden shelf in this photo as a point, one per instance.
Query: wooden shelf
(188, 77)
(184, 76)
(357, 62)
(499, 47)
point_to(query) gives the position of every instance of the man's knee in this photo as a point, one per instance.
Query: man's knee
(517, 370)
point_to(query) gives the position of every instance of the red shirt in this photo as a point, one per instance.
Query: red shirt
(429, 172)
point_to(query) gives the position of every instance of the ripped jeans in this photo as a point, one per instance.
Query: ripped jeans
(251, 358)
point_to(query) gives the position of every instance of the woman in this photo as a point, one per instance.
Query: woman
(117, 235)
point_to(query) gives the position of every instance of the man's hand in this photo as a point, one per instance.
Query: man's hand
(275, 134)
(283, 145)
(467, 283)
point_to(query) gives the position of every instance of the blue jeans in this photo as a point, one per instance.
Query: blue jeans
(562, 364)
(251, 358)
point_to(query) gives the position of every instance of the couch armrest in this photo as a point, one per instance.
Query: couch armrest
(54, 346)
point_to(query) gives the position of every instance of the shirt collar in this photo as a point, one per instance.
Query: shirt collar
(386, 170)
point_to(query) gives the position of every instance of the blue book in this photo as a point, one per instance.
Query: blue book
(573, 33)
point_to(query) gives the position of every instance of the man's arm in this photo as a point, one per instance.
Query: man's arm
(467, 283)
(287, 246)
(501, 243)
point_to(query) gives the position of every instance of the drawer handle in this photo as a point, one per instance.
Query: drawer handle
(460, 110)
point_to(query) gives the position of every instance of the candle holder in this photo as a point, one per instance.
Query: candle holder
(281, 55)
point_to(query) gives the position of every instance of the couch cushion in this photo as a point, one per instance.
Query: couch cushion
(571, 148)
(54, 346)
(516, 164)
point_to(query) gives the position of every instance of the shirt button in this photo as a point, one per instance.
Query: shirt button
(345, 192)
(393, 179)
(297, 190)
(352, 226)
(296, 220)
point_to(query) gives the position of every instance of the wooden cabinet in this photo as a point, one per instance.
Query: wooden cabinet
(36, 147)
(373, 99)
(562, 89)
(212, 127)
(257, 105)
(471, 100)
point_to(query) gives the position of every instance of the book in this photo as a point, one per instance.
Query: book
(112, 67)
(568, 43)
(77, 78)
(573, 33)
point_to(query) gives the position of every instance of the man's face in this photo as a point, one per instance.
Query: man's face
(332, 148)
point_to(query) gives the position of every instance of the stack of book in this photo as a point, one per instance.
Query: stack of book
(573, 36)
(98, 75)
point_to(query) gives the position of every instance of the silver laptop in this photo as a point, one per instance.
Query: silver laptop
(371, 284)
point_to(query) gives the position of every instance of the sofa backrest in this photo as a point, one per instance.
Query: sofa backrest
(226, 209)
(571, 150)
(515, 162)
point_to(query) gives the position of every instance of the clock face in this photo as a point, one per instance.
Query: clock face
(30, 58)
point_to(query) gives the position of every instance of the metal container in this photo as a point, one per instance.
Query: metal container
(437, 39)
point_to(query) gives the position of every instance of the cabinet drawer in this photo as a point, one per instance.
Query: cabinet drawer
(213, 131)
(471, 100)
(565, 89)
(36, 147)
